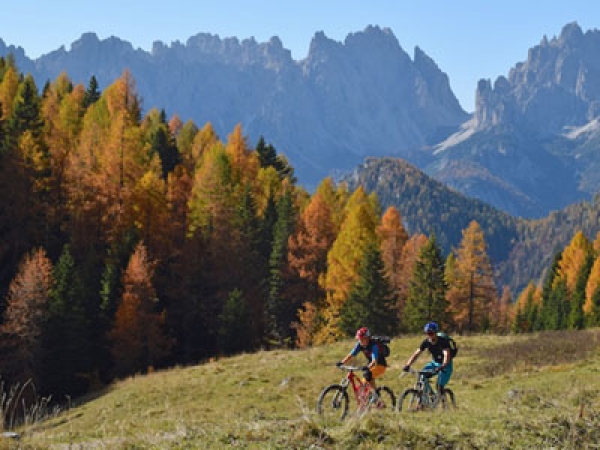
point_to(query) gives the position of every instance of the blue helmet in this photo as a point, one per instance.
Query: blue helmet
(431, 327)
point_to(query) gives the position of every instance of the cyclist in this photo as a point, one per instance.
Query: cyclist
(439, 347)
(376, 362)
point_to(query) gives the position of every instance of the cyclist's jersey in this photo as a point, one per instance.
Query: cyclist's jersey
(371, 352)
(437, 349)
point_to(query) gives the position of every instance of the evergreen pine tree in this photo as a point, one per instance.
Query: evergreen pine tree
(279, 313)
(235, 326)
(92, 94)
(427, 291)
(67, 359)
(370, 301)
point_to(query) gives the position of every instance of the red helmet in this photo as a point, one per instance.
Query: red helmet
(362, 332)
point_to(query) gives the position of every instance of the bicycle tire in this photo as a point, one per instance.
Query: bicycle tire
(333, 402)
(387, 397)
(444, 403)
(410, 400)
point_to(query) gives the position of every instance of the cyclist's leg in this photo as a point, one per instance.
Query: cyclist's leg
(444, 376)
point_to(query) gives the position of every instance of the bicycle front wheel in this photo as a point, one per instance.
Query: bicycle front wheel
(333, 402)
(387, 399)
(410, 400)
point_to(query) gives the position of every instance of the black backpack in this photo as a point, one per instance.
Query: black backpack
(452, 342)
(382, 343)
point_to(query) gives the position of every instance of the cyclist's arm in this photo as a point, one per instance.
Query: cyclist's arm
(414, 357)
(374, 357)
(352, 354)
(446, 359)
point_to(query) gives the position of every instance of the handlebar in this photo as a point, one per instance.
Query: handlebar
(426, 373)
(350, 368)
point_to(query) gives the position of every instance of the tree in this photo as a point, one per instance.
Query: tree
(576, 316)
(307, 258)
(370, 301)
(235, 328)
(527, 309)
(472, 291)
(279, 312)
(24, 318)
(408, 260)
(573, 259)
(591, 308)
(92, 94)
(393, 237)
(344, 259)
(138, 339)
(67, 359)
(547, 316)
(427, 292)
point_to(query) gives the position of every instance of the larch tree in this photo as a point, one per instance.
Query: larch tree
(344, 260)
(573, 259)
(393, 237)
(25, 316)
(527, 309)
(307, 258)
(472, 291)
(138, 338)
(591, 308)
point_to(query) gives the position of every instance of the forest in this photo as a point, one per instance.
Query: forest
(135, 241)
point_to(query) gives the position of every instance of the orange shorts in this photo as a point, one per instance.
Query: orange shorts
(378, 370)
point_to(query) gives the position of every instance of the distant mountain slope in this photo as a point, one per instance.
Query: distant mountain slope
(521, 250)
(427, 205)
(535, 131)
(345, 101)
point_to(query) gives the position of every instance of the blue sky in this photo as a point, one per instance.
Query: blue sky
(468, 39)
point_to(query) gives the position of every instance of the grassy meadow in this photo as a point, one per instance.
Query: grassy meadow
(526, 391)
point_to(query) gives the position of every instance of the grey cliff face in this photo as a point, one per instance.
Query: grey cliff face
(344, 101)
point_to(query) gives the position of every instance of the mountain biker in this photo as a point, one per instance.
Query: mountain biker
(439, 347)
(376, 362)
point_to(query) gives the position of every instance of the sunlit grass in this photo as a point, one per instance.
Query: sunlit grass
(537, 391)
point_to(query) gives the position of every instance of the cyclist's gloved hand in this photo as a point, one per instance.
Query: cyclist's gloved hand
(339, 364)
(406, 368)
(365, 368)
(437, 370)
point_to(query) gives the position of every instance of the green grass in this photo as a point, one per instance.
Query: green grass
(536, 391)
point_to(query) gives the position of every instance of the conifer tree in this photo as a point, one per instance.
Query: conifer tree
(548, 311)
(92, 94)
(344, 259)
(138, 338)
(235, 325)
(24, 317)
(472, 291)
(67, 360)
(593, 285)
(576, 316)
(427, 292)
(370, 302)
(279, 312)
(393, 238)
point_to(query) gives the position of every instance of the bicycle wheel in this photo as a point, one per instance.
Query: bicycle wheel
(333, 402)
(410, 400)
(447, 401)
(387, 399)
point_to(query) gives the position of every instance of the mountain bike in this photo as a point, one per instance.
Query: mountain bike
(423, 395)
(334, 399)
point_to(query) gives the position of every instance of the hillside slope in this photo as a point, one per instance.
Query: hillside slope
(512, 392)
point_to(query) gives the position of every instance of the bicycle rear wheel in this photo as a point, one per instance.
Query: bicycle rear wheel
(333, 402)
(387, 399)
(410, 400)
(447, 400)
